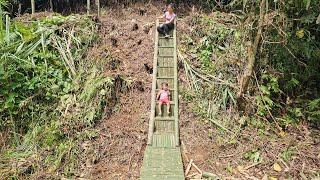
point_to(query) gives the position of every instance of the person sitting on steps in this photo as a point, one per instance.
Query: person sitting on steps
(163, 97)
(169, 17)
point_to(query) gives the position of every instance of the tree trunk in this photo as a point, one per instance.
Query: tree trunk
(19, 9)
(88, 7)
(252, 51)
(51, 6)
(98, 7)
(33, 7)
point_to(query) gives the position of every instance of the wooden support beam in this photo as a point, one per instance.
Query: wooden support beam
(33, 7)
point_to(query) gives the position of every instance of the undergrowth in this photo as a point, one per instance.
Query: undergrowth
(51, 95)
(282, 98)
(212, 57)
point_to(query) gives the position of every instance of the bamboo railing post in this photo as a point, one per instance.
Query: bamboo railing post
(33, 6)
(88, 7)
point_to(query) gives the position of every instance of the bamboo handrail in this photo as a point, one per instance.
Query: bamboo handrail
(154, 86)
(176, 110)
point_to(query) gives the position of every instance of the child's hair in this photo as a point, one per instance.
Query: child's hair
(164, 84)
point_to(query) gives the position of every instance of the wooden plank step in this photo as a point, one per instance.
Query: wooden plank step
(165, 77)
(171, 102)
(165, 56)
(165, 37)
(159, 118)
(165, 67)
(165, 140)
(165, 46)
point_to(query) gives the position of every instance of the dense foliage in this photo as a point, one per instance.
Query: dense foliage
(51, 95)
(285, 85)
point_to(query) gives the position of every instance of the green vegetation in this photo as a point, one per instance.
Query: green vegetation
(284, 88)
(253, 73)
(51, 95)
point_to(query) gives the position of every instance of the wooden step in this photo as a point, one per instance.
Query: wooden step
(158, 118)
(164, 127)
(165, 46)
(165, 77)
(165, 56)
(165, 140)
(165, 67)
(171, 102)
(165, 38)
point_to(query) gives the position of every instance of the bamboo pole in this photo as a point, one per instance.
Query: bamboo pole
(88, 7)
(154, 87)
(33, 7)
(1, 19)
(7, 28)
(98, 7)
(51, 6)
(176, 101)
(19, 9)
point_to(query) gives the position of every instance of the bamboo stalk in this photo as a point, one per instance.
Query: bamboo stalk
(33, 7)
(19, 9)
(1, 20)
(88, 7)
(98, 6)
(176, 110)
(51, 6)
(154, 87)
(7, 28)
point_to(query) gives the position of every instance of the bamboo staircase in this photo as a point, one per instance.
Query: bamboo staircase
(162, 158)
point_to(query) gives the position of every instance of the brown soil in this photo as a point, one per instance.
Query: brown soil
(120, 146)
(122, 143)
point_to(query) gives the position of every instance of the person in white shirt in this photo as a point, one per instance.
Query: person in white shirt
(169, 17)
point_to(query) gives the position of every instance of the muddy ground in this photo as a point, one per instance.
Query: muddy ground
(120, 146)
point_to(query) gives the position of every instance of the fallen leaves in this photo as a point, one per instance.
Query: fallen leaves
(277, 167)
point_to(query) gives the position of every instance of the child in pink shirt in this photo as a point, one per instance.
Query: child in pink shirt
(164, 97)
